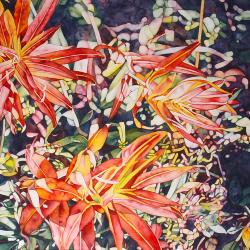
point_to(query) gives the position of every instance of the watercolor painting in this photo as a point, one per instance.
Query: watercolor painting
(124, 124)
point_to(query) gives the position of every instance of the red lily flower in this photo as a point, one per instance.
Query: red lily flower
(116, 188)
(185, 103)
(26, 57)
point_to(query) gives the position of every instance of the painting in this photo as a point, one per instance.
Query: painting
(124, 125)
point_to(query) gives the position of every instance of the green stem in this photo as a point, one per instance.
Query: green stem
(2, 137)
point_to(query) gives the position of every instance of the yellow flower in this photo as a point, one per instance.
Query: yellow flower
(246, 237)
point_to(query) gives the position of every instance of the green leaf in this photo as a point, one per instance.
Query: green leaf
(72, 143)
(87, 117)
(8, 245)
(231, 246)
(235, 95)
(50, 129)
(33, 243)
(115, 83)
(131, 135)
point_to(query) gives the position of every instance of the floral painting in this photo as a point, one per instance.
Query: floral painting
(124, 124)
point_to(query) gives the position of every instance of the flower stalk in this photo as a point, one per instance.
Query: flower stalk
(202, 10)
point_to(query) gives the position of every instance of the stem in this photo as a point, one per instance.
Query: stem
(95, 28)
(202, 10)
(103, 231)
(2, 137)
(211, 174)
(220, 167)
(93, 23)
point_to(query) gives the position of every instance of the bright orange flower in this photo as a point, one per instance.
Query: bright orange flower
(181, 102)
(27, 58)
(184, 103)
(117, 188)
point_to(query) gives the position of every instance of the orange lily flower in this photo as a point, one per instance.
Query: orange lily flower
(115, 188)
(185, 103)
(26, 57)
